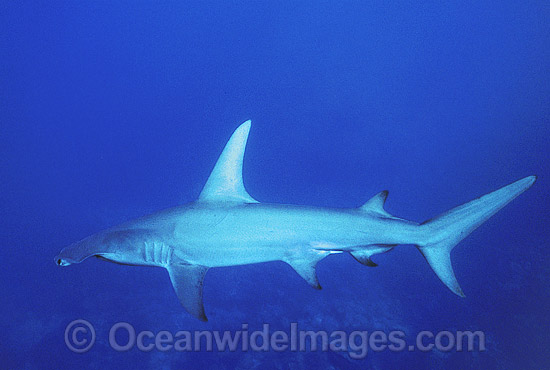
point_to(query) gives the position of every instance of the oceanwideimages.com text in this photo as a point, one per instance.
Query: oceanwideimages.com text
(80, 337)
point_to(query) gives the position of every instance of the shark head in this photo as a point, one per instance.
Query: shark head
(79, 251)
(70, 255)
(120, 245)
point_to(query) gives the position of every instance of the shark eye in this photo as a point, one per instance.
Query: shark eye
(59, 261)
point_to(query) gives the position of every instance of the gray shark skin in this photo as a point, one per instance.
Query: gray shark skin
(227, 227)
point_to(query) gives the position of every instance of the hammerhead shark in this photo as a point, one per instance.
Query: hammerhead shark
(227, 227)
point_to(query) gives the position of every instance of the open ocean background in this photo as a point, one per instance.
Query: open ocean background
(114, 110)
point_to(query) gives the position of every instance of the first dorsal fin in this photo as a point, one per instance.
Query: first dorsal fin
(376, 204)
(225, 183)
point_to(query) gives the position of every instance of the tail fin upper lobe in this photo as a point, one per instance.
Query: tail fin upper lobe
(445, 231)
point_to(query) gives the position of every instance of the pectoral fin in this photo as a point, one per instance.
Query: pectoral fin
(187, 281)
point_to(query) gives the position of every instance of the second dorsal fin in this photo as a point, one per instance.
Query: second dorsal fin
(376, 204)
(225, 183)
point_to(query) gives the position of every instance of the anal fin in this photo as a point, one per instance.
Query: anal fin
(187, 281)
(363, 255)
(364, 260)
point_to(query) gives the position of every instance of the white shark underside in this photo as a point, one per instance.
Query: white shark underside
(227, 227)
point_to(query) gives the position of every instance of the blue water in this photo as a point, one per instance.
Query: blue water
(112, 111)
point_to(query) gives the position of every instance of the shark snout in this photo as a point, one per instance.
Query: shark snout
(61, 261)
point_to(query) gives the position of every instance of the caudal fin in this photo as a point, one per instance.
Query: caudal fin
(444, 232)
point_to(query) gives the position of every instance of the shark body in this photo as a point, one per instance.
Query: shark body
(227, 227)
